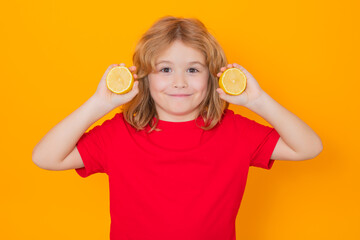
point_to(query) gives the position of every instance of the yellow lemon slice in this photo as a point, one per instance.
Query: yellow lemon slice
(232, 81)
(119, 80)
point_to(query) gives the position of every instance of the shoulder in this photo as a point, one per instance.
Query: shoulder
(230, 120)
(108, 125)
(116, 119)
(229, 116)
(240, 122)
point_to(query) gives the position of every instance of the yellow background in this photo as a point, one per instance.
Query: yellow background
(305, 54)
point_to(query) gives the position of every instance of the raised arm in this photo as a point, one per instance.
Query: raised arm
(297, 140)
(60, 142)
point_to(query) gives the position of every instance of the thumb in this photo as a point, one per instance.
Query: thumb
(130, 95)
(135, 88)
(223, 95)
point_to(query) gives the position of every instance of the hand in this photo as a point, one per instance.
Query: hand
(246, 98)
(111, 99)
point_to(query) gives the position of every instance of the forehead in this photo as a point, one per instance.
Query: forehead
(189, 63)
(180, 53)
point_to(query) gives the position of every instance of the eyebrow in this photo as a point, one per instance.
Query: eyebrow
(194, 62)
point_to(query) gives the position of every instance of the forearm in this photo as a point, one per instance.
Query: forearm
(62, 138)
(293, 131)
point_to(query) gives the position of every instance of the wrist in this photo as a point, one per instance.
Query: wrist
(99, 105)
(258, 102)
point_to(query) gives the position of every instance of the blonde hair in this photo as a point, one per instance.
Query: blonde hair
(140, 111)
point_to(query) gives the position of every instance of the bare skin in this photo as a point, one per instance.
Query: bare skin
(297, 140)
(57, 149)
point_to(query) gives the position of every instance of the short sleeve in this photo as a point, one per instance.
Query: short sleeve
(92, 147)
(262, 141)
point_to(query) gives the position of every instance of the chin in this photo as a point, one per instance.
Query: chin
(181, 112)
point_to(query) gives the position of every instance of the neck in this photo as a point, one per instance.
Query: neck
(177, 118)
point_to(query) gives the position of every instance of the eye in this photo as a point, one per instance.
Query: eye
(193, 70)
(166, 69)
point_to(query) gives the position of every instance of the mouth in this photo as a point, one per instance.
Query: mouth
(179, 95)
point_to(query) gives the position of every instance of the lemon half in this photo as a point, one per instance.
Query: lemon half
(233, 81)
(119, 80)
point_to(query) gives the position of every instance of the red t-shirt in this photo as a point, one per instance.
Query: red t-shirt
(179, 183)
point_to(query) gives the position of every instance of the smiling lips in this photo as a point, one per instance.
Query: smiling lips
(179, 95)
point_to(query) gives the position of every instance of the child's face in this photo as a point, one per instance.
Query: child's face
(179, 82)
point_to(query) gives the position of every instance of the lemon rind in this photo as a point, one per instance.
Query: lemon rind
(128, 87)
(223, 86)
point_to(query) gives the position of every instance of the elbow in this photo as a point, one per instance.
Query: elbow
(41, 164)
(316, 149)
(45, 162)
(319, 147)
(35, 159)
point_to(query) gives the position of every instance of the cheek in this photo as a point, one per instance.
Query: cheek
(201, 84)
(156, 84)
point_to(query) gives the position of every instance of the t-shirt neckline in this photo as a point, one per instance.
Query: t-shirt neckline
(184, 124)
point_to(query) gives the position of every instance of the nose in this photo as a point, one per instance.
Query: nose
(179, 81)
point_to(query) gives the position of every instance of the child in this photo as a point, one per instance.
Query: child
(177, 159)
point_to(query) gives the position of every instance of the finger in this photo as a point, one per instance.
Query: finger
(223, 69)
(219, 74)
(135, 76)
(229, 66)
(111, 66)
(132, 68)
(136, 86)
(122, 64)
(223, 95)
(130, 95)
(220, 91)
(134, 90)
(240, 67)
